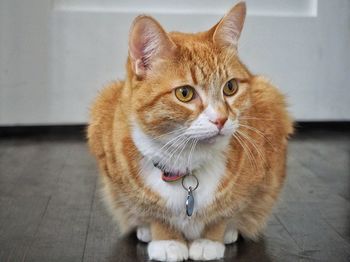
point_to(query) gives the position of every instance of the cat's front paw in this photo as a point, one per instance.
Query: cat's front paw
(143, 234)
(167, 250)
(205, 249)
(231, 235)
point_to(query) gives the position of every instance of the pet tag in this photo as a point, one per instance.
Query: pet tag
(189, 202)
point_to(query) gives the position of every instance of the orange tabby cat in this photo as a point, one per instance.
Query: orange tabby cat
(191, 146)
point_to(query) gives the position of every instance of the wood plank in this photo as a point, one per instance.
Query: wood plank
(62, 234)
(51, 209)
(21, 209)
(102, 238)
(20, 220)
(312, 234)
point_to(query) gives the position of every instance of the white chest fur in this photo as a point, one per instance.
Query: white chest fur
(209, 167)
(175, 195)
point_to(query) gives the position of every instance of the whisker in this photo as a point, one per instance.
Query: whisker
(259, 133)
(245, 150)
(189, 153)
(249, 151)
(165, 145)
(250, 140)
(255, 118)
(172, 152)
(179, 139)
(171, 132)
(169, 143)
(189, 163)
(179, 154)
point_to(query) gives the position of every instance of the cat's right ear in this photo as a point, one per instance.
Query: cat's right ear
(148, 42)
(229, 28)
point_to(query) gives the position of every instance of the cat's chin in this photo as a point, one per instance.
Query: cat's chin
(212, 140)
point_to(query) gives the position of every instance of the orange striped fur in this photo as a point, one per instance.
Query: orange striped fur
(255, 154)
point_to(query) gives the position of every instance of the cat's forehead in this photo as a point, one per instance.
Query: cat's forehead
(202, 63)
(208, 77)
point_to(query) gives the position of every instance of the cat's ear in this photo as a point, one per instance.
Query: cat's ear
(148, 42)
(228, 30)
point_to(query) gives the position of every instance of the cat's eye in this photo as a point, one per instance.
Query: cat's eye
(231, 87)
(184, 93)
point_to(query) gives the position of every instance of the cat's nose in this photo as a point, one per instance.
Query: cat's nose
(220, 122)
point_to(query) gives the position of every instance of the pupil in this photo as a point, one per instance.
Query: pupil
(184, 92)
(229, 85)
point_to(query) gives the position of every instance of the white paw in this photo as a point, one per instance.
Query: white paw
(231, 235)
(143, 234)
(205, 249)
(167, 250)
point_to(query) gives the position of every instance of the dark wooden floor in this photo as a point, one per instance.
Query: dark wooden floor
(50, 206)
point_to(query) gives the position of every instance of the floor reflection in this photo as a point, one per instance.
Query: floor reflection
(246, 250)
(129, 248)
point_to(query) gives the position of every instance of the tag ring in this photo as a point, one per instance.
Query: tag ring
(190, 187)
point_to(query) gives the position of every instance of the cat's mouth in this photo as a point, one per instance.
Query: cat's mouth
(212, 138)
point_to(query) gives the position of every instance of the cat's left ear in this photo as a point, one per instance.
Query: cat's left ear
(148, 42)
(228, 30)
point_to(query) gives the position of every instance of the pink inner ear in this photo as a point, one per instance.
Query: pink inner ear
(144, 43)
(144, 47)
(147, 42)
(150, 47)
(229, 29)
(140, 54)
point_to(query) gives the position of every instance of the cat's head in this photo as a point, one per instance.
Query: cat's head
(186, 88)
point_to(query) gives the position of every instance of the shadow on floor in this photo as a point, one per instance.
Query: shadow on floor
(130, 249)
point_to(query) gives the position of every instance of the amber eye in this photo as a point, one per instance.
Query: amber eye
(184, 93)
(231, 87)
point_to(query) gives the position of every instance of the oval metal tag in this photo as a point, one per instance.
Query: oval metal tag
(189, 203)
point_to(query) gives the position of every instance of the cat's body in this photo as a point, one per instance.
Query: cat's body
(235, 145)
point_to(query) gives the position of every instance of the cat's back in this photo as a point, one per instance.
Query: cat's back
(268, 104)
(102, 115)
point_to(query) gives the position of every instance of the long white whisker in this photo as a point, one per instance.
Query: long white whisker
(169, 144)
(169, 133)
(259, 133)
(190, 153)
(175, 148)
(244, 149)
(249, 153)
(183, 147)
(250, 140)
(180, 130)
(255, 118)
(195, 144)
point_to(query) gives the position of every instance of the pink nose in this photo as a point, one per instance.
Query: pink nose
(220, 122)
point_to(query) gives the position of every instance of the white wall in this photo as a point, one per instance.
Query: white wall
(55, 55)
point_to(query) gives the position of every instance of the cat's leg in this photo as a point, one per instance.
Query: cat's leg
(167, 244)
(211, 246)
(231, 234)
(143, 233)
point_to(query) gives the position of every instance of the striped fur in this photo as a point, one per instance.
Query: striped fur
(240, 172)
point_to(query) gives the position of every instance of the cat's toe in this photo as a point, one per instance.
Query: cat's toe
(143, 234)
(167, 250)
(231, 236)
(205, 249)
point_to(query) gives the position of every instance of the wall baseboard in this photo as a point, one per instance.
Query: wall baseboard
(80, 130)
(44, 131)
